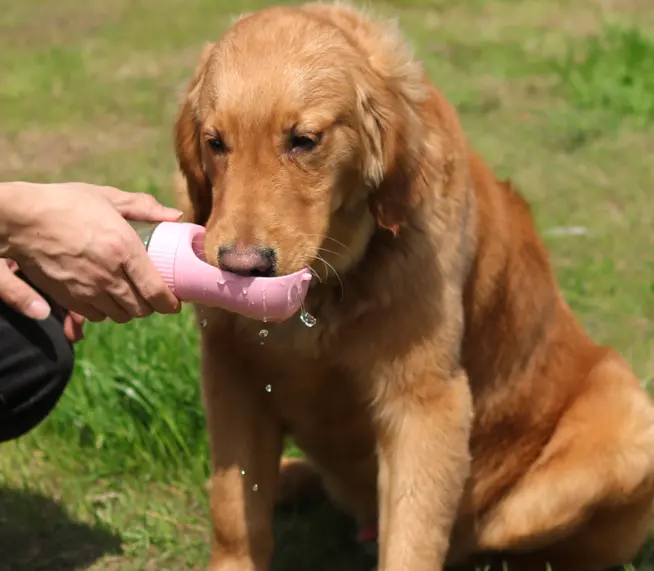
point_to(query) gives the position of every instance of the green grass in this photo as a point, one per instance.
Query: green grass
(556, 94)
(613, 72)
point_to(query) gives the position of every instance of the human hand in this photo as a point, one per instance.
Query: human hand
(19, 295)
(74, 326)
(72, 241)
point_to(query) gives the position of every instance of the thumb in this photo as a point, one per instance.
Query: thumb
(141, 206)
(18, 295)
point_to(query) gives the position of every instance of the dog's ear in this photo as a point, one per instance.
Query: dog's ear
(392, 134)
(187, 145)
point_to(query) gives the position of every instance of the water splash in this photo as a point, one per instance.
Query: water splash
(242, 472)
(203, 322)
(268, 388)
(308, 319)
(255, 488)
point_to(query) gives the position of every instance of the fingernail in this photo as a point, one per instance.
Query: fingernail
(38, 309)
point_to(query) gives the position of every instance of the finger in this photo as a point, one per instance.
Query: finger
(107, 305)
(80, 309)
(141, 206)
(146, 207)
(21, 297)
(72, 329)
(148, 281)
(60, 296)
(77, 318)
(87, 312)
(133, 205)
(127, 295)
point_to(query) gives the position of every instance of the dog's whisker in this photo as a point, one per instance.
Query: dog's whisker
(333, 269)
(331, 252)
(324, 263)
(323, 237)
(315, 273)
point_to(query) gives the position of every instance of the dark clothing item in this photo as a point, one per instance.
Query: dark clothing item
(36, 363)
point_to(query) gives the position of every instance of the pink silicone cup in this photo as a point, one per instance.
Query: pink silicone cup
(176, 249)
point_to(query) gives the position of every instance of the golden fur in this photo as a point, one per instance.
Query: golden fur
(447, 391)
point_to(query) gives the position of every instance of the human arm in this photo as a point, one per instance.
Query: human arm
(72, 241)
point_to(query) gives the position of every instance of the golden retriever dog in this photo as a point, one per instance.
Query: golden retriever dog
(446, 394)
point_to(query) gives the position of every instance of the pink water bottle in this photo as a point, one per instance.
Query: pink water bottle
(177, 251)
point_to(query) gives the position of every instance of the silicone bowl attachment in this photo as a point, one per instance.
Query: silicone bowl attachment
(177, 251)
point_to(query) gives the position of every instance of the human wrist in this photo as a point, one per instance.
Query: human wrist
(17, 208)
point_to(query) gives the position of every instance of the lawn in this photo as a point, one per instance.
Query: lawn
(558, 95)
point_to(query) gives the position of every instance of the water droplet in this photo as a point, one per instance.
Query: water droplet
(264, 302)
(221, 280)
(244, 291)
(255, 488)
(268, 388)
(308, 319)
(262, 336)
(293, 295)
(242, 472)
(203, 322)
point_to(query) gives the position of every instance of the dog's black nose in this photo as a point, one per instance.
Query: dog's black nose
(247, 260)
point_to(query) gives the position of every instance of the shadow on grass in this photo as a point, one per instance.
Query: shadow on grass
(36, 534)
(318, 537)
(645, 559)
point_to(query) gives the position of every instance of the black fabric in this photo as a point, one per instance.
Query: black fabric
(36, 363)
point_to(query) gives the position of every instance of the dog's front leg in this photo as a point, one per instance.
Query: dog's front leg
(246, 444)
(424, 426)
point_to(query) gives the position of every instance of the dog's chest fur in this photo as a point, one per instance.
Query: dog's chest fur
(303, 375)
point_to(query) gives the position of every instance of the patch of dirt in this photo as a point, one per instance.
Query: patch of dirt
(47, 152)
(498, 19)
(59, 22)
(156, 65)
(625, 5)
(573, 20)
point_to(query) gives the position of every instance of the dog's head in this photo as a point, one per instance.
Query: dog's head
(298, 135)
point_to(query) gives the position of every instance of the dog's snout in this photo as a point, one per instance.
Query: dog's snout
(247, 260)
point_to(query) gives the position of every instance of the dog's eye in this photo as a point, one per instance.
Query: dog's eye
(304, 143)
(217, 145)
